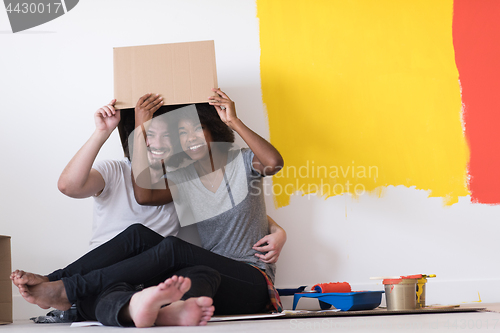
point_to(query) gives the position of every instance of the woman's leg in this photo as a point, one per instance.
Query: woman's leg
(135, 239)
(111, 301)
(241, 284)
(121, 305)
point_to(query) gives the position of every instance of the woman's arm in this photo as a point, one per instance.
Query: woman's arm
(145, 191)
(78, 179)
(267, 160)
(272, 243)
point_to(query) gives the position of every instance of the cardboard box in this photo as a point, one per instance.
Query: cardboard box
(183, 73)
(5, 283)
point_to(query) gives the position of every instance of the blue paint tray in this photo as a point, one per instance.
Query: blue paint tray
(356, 300)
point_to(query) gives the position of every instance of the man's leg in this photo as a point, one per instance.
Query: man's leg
(122, 305)
(136, 239)
(112, 307)
(204, 281)
(243, 283)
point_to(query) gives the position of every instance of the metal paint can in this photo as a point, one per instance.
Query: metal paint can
(400, 293)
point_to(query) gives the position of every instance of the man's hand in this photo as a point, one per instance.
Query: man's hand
(272, 244)
(146, 106)
(107, 117)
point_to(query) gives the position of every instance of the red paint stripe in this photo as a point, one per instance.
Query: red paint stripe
(476, 38)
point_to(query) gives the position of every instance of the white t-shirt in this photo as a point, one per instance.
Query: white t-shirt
(115, 208)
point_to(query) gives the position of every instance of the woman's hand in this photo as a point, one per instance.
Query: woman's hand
(146, 106)
(107, 117)
(224, 106)
(272, 244)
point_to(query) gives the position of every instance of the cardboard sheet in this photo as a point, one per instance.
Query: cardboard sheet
(183, 73)
(289, 314)
(246, 317)
(5, 283)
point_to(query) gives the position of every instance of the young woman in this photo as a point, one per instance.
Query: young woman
(214, 178)
(227, 238)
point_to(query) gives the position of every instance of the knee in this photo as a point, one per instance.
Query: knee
(205, 272)
(142, 231)
(136, 228)
(205, 281)
(172, 241)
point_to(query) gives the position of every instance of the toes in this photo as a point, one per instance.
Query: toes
(204, 301)
(208, 312)
(179, 282)
(14, 276)
(168, 282)
(206, 317)
(186, 285)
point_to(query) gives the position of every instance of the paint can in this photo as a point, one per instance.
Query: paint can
(400, 293)
(421, 292)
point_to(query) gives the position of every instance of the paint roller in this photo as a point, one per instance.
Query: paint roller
(332, 287)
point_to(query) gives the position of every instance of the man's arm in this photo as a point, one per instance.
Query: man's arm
(146, 192)
(272, 243)
(78, 179)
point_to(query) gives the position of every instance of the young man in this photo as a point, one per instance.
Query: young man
(115, 208)
(109, 182)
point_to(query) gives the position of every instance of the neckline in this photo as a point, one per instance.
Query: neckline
(222, 169)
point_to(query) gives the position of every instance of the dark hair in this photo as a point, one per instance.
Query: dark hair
(206, 113)
(210, 119)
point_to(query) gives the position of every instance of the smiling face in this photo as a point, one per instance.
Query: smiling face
(193, 139)
(158, 143)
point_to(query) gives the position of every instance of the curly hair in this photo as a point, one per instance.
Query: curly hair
(210, 119)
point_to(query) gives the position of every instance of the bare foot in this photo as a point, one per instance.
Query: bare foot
(20, 277)
(145, 305)
(191, 312)
(46, 295)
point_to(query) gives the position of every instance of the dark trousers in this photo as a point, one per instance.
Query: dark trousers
(139, 256)
(106, 307)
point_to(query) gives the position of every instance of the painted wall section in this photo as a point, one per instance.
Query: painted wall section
(362, 95)
(476, 36)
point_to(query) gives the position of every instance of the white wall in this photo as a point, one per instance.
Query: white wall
(54, 77)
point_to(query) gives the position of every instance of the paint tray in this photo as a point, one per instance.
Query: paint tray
(356, 300)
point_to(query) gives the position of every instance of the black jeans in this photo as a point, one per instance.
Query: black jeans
(106, 307)
(139, 255)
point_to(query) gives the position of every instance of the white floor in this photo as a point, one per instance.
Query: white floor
(444, 322)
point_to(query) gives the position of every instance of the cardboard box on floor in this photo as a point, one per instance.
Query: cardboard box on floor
(183, 73)
(5, 283)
